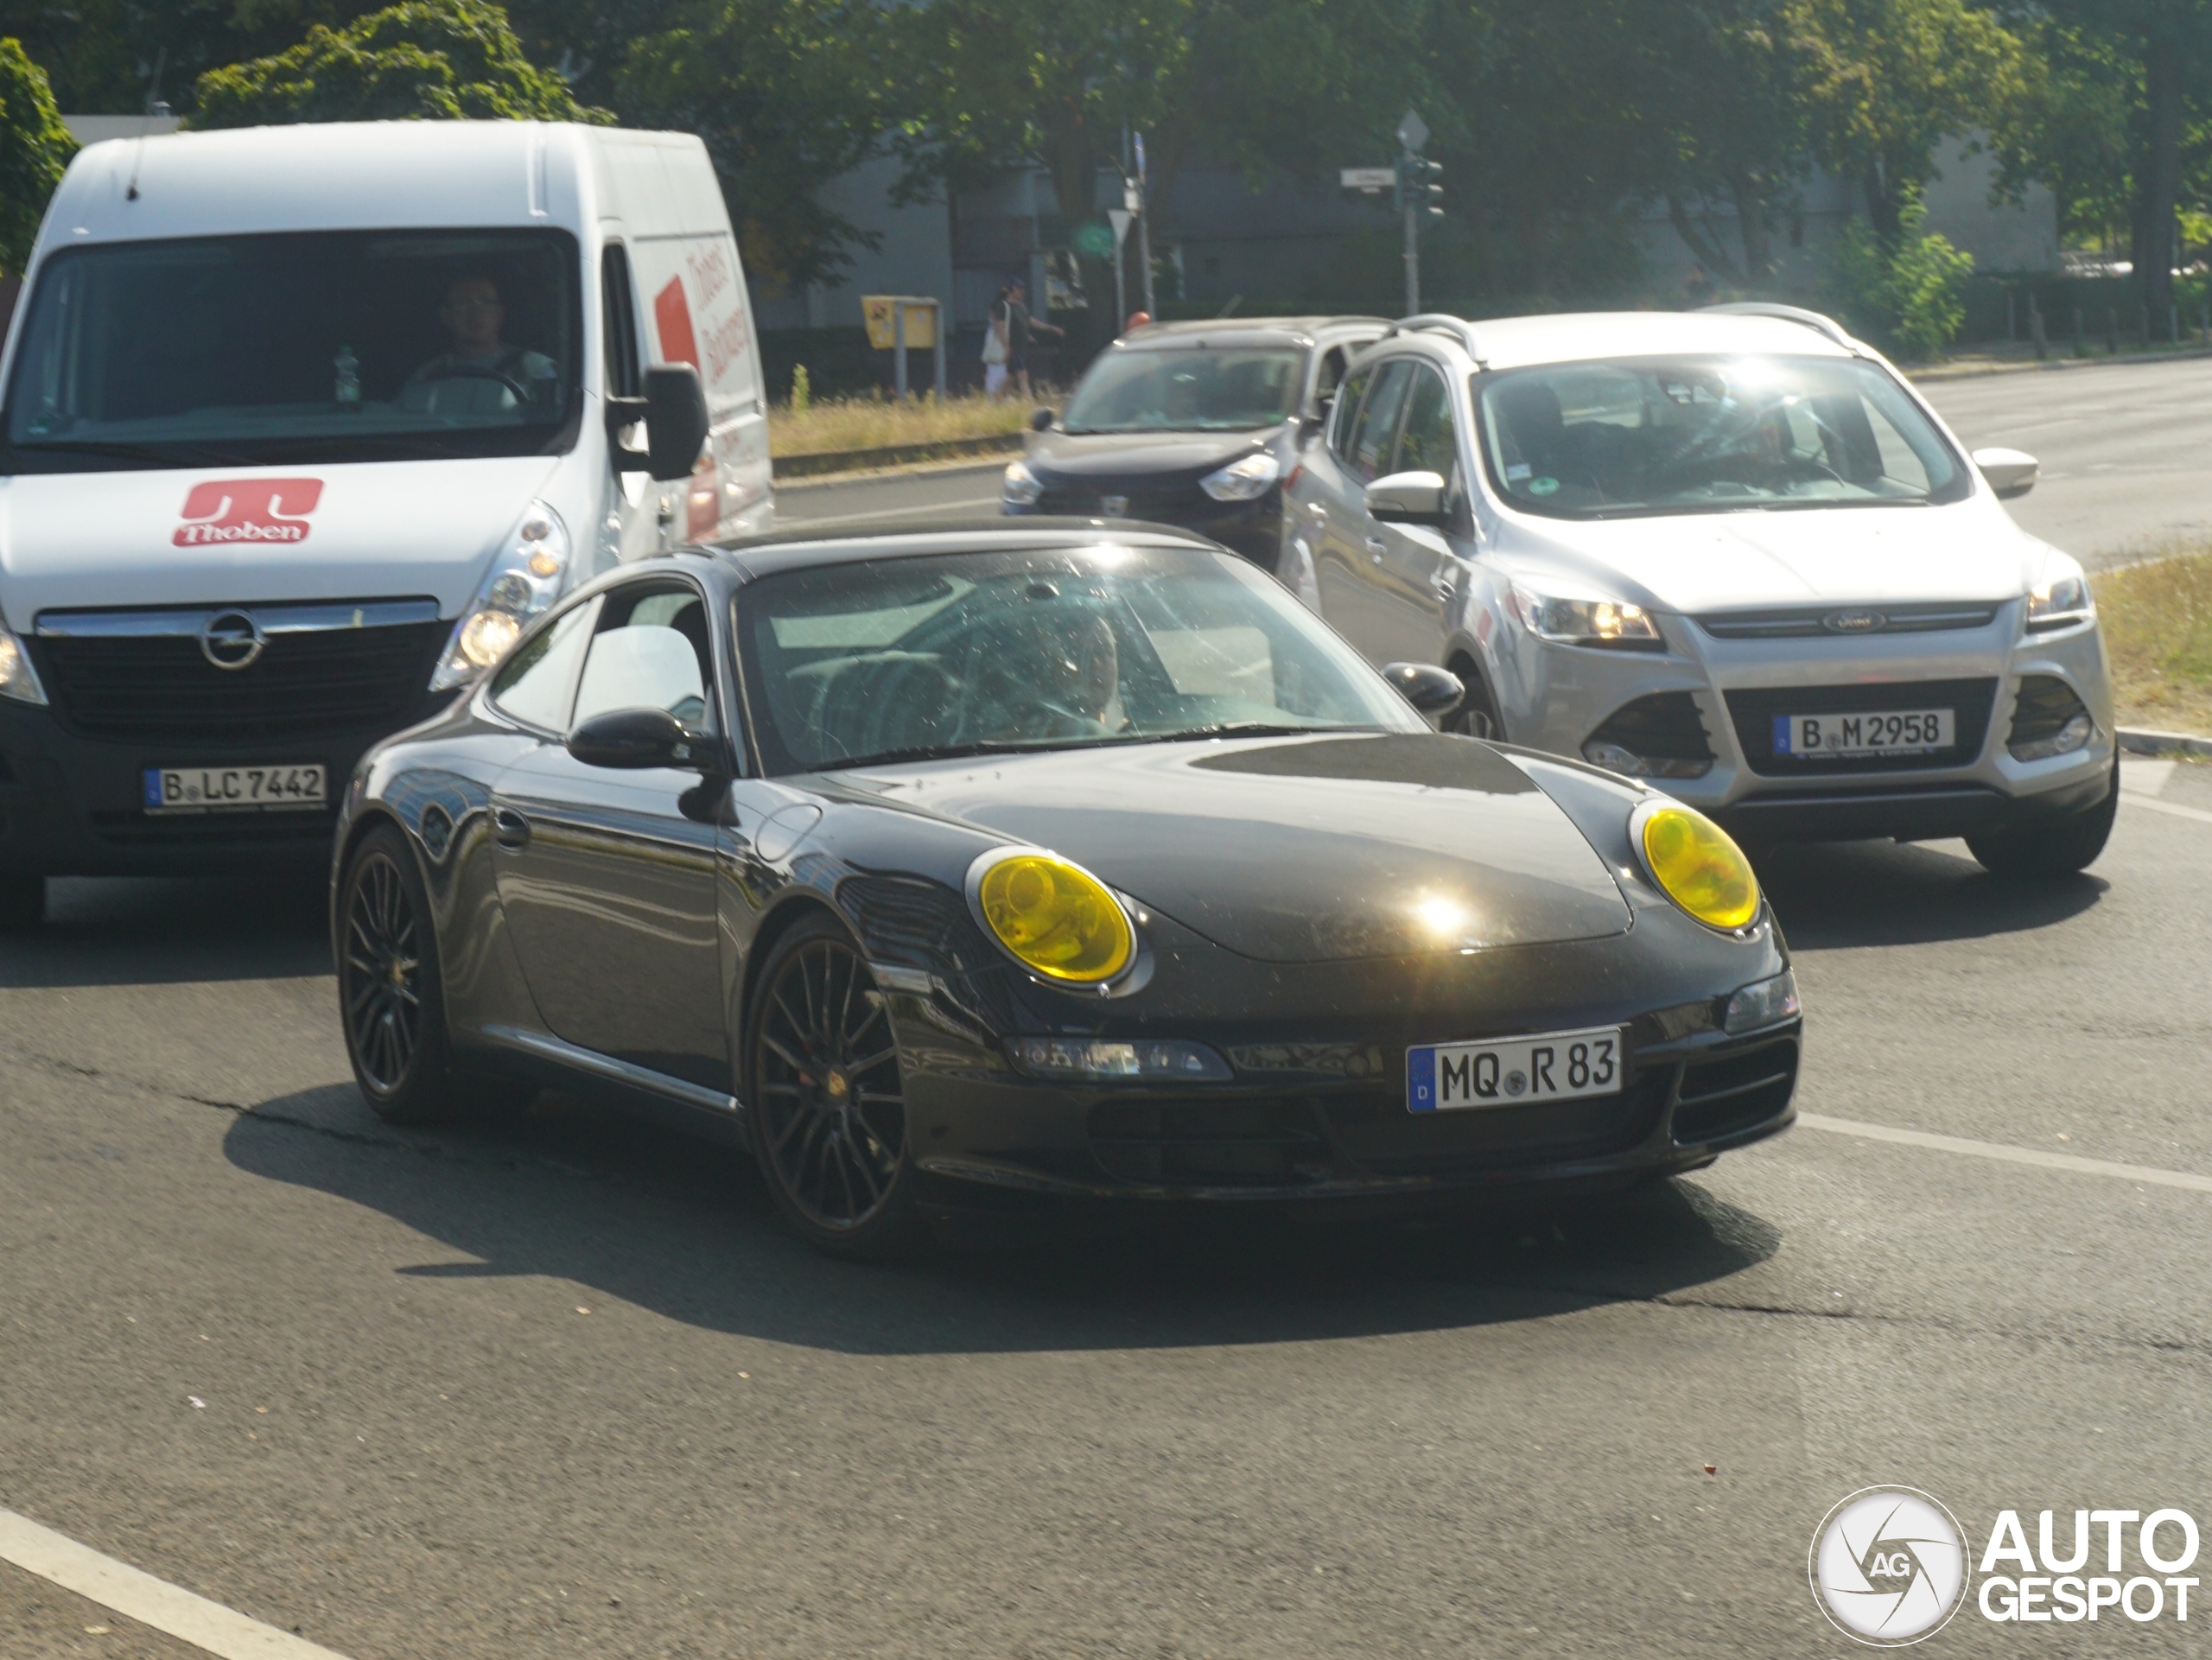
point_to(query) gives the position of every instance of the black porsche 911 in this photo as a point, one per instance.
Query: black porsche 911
(952, 871)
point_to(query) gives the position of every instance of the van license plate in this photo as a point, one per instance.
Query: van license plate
(1885, 731)
(1514, 1071)
(233, 789)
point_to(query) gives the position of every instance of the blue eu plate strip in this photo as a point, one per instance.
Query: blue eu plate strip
(153, 786)
(1781, 734)
(1420, 1079)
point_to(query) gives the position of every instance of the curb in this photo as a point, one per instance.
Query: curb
(2137, 741)
(856, 460)
(2051, 365)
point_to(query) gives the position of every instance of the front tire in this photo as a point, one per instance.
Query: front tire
(829, 1100)
(2056, 847)
(1476, 715)
(391, 997)
(23, 903)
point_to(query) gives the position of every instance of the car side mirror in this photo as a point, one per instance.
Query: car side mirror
(1430, 690)
(1041, 420)
(1407, 499)
(674, 409)
(633, 739)
(2011, 472)
(1316, 422)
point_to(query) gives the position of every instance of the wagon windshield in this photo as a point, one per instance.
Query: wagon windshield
(1683, 435)
(1055, 648)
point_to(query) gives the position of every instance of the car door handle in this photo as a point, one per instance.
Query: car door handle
(509, 828)
(1376, 546)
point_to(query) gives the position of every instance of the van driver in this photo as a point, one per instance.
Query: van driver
(482, 375)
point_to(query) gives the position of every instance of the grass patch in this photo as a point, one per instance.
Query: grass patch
(2158, 626)
(842, 423)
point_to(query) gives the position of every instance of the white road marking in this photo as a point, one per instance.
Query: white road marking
(2070, 1163)
(2145, 777)
(2173, 807)
(117, 1585)
(798, 524)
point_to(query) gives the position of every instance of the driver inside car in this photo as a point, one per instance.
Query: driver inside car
(482, 375)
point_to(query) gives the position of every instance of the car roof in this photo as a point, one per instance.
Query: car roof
(1248, 331)
(761, 556)
(1574, 336)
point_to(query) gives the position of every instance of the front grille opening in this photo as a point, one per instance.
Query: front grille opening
(2047, 719)
(1828, 622)
(1209, 1144)
(1663, 736)
(1718, 1098)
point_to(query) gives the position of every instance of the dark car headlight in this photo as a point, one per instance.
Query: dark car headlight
(1245, 481)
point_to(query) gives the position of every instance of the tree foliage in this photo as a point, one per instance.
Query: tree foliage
(427, 60)
(34, 150)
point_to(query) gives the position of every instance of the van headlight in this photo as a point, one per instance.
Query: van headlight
(1020, 487)
(528, 576)
(2062, 598)
(18, 679)
(1244, 481)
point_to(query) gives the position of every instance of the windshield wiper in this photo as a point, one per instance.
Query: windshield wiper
(170, 454)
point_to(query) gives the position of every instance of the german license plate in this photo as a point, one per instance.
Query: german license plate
(233, 789)
(1514, 1071)
(1883, 732)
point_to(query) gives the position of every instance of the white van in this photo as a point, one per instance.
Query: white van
(303, 424)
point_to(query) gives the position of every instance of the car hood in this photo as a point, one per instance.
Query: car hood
(383, 529)
(1123, 455)
(1298, 849)
(1695, 564)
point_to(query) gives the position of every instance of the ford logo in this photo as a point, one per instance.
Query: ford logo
(1852, 622)
(233, 639)
(1114, 506)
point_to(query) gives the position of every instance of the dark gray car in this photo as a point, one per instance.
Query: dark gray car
(1195, 424)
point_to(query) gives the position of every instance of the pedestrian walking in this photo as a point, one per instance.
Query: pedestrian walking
(1021, 331)
(995, 331)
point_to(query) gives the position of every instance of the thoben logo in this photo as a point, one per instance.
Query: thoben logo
(1889, 1566)
(247, 509)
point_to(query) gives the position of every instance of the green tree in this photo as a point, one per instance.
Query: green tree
(788, 95)
(34, 148)
(433, 59)
(1907, 292)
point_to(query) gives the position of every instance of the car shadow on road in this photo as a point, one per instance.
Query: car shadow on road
(165, 931)
(1836, 894)
(570, 1192)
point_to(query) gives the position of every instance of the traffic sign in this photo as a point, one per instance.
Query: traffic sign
(1119, 219)
(1370, 178)
(1412, 131)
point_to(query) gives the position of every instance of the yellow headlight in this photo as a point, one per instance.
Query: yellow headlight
(1701, 870)
(1055, 917)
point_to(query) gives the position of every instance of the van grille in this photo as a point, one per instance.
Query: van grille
(141, 676)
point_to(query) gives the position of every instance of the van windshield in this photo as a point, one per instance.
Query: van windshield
(323, 347)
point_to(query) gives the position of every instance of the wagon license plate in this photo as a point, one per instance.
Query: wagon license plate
(1883, 732)
(233, 789)
(1514, 1071)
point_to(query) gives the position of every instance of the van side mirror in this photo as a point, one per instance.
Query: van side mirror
(1430, 690)
(2011, 472)
(1407, 499)
(630, 739)
(1041, 420)
(674, 409)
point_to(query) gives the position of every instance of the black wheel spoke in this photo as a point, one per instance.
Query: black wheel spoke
(381, 974)
(834, 1147)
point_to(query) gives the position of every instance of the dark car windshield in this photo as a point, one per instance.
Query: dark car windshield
(972, 653)
(328, 346)
(1196, 390)
(1707, 435)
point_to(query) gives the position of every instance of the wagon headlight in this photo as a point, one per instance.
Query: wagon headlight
(1244, 481)
(1020, 487)
(1696, 864)
(18, 679)
(1055, 919)
(1585, 621)
(528, 576)
(2061, 600)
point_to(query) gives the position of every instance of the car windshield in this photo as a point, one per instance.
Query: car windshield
(973, 653)
(1710, 435)
(1179, 389)
(329, 347)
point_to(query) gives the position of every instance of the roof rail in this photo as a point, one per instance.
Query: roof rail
(1804, 319)
(1445, 323)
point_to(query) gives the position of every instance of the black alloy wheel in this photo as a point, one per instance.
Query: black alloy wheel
(827, 1097)
(1476, 715)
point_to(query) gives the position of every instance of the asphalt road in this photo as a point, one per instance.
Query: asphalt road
(556, 1385)
(2122, 445)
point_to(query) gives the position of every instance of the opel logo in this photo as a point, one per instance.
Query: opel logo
(1852, 622)
(233, 639)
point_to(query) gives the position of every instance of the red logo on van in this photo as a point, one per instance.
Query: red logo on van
(672, 316)
(247, 509)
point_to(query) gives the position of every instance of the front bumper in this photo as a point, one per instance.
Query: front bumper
(1556, 697)
(71, 805)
